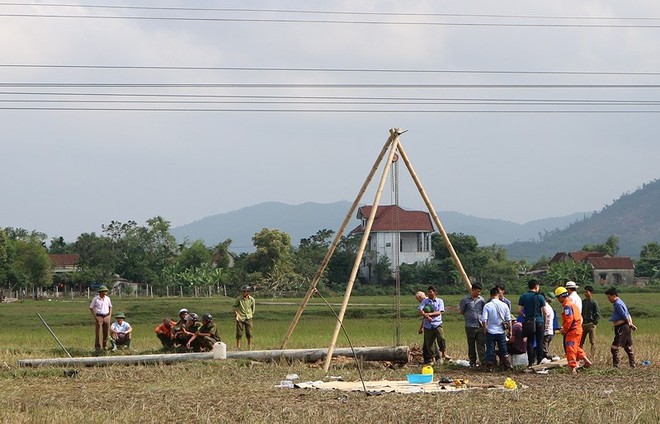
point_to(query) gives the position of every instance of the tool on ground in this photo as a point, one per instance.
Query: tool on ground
(54, 336)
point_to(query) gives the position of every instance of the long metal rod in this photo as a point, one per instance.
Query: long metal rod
(54, 336)
(441, 229)
(394, 134)
(333, 246)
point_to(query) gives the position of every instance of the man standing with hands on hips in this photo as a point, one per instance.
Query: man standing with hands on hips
(244, 310)
(623, 325)
(101, 309)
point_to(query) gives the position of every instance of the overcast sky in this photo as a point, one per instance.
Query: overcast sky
(481, 143)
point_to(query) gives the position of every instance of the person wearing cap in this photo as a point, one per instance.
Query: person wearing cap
(189, 330)
(549, 330)
(164, 333)
(433, 332)
(120, 332)
(471, 307)
(572, 330)
(572, 287)
(178, 335)
(101, 309)
(623, 324)
(590, 318)
(207, 335)
(244, 311)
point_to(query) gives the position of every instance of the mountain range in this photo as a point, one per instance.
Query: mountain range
(634, 218)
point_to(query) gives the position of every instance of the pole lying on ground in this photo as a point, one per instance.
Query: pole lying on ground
(394, 354)
(54, 336)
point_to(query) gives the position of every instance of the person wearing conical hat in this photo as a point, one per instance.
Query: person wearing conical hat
(101, 309)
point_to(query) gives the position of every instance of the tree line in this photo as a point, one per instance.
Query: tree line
(149, 255)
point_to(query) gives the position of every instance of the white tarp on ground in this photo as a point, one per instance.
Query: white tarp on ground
(385, 386)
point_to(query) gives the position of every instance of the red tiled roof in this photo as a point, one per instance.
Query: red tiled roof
(611, 263)
(386, 215)
(581, 255)
(64, 259)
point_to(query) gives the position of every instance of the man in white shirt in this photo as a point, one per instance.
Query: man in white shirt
(549, 330)
(101, 309)
(572, 287)
(496, 322)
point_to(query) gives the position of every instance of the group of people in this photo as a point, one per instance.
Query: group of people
(493, 333)
(189, 333)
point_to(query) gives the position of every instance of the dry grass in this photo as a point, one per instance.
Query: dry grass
(243, 391)
(239, 391)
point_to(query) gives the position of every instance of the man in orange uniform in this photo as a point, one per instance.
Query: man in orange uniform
(572, 330)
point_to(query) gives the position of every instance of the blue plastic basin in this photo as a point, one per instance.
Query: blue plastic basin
(419, 378)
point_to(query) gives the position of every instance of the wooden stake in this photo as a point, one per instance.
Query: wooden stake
(441, 229)
(394, 135)
(333, 246)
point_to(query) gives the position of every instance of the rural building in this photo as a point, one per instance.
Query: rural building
(606, 269)
(412, 229)
(64, 263)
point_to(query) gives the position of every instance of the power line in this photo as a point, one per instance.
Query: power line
(325, 85)
(347, 70)
(330, 21)
(353, 111)
(327, 12)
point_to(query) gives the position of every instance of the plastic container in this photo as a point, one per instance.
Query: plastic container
(427, 369)
(219, 350)
(419, 378)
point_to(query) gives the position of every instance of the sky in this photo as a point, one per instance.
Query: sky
(514, 110)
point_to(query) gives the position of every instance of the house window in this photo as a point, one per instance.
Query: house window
(617, 278)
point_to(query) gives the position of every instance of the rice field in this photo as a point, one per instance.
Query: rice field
(244, 391)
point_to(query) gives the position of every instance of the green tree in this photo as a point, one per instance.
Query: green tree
(58, 245)
(194, 256)
(273, 249)
(648, 264)
(611, 246)
(309, 255)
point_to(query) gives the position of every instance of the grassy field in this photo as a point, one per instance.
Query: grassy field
(243, 391)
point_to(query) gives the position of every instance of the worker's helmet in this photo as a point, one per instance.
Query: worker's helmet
(561, 291)
(207, 317)
(428, 309)
(246, 288)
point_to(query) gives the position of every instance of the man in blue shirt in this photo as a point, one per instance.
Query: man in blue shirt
(431, 309)
(471, 307)
(622, 322)
(530, 306)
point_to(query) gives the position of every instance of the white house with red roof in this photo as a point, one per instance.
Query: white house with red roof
(414, 229)
(606, 269)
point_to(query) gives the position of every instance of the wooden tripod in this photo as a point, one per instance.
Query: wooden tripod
(391, 147)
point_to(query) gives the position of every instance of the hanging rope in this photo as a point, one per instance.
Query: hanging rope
(396, 248)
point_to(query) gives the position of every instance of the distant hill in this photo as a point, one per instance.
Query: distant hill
(634, 218)
(304, 220)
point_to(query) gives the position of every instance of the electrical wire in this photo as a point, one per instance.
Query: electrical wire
(329, 70)
(329, 21)
(325, 12)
